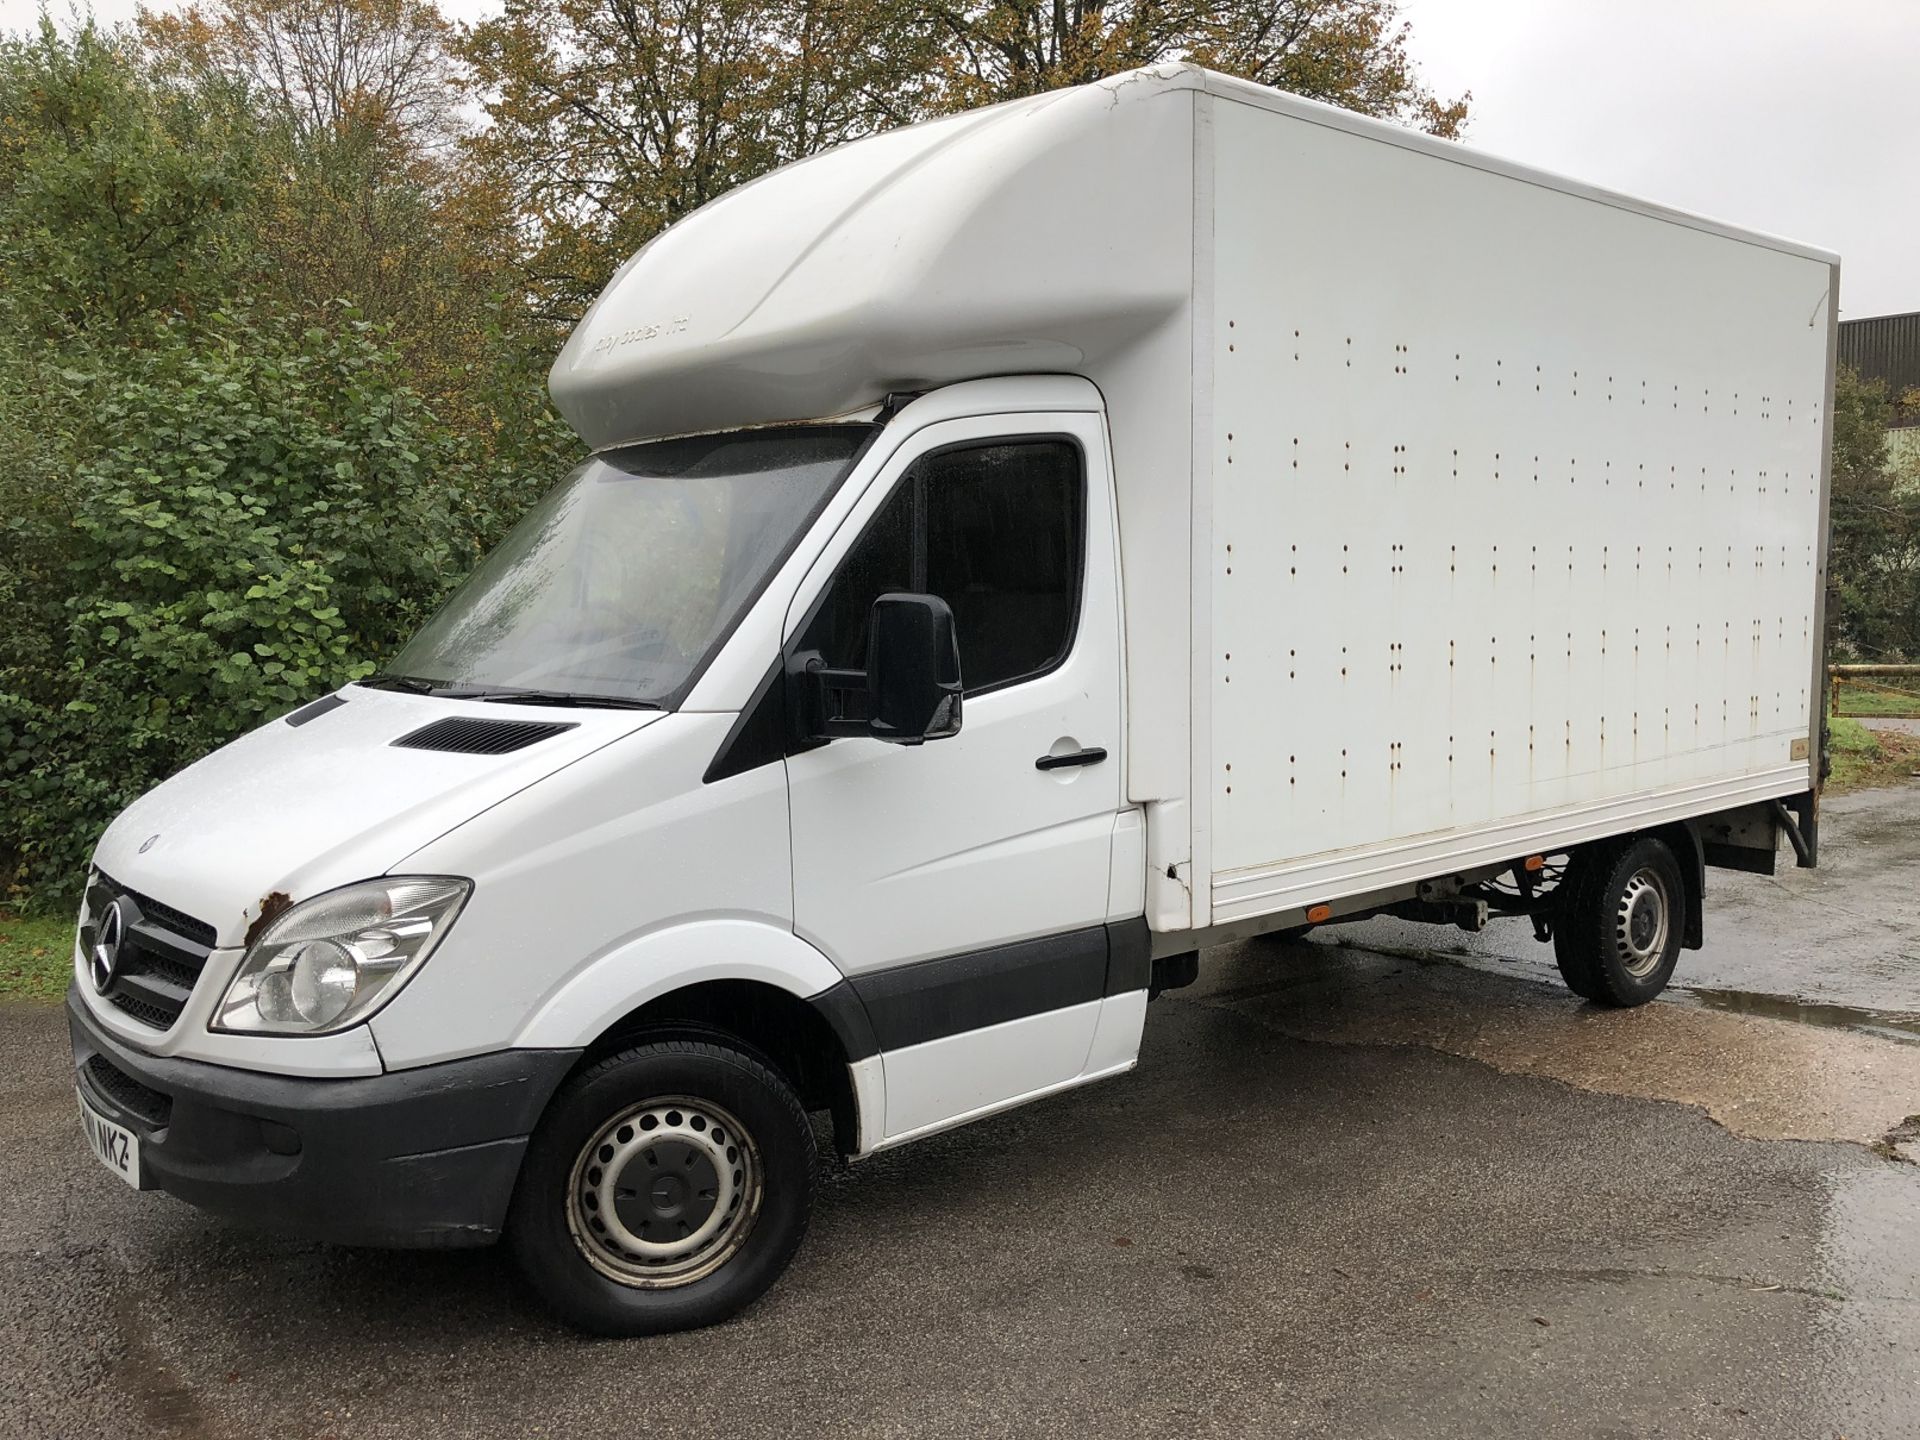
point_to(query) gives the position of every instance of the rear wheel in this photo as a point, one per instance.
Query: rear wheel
(667, 1187)
(1621, 917)
(1572, 948)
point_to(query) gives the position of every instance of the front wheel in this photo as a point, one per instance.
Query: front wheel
(1621, 917)
(667, 1188)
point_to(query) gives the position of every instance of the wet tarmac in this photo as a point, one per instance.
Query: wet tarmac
(1761, 1077)
(1393, 1191)
(1841, 938)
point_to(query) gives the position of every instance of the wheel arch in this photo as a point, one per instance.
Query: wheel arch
(735, 980)
(1683, 839)
(794, 1037)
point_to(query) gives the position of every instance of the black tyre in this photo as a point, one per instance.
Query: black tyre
(1572, 950)
(667, 1188)
(1616, 936)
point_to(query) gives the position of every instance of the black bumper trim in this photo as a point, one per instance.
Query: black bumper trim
(421, 1158)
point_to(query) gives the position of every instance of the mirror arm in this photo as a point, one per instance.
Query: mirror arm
(812, 690)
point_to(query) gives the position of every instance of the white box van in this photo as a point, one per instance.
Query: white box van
(1017, 552)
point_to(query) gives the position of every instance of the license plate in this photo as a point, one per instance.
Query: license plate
(114, 1146)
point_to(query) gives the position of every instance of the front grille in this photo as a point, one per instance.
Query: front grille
(160, 1017)
(140, 1101)
(178, 921)
(162, 952)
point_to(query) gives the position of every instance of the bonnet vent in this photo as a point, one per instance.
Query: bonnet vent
(315, 710)
(463, 736)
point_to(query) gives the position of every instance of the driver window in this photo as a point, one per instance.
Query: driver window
(995, 530)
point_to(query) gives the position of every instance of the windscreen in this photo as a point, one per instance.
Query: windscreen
(620, 581)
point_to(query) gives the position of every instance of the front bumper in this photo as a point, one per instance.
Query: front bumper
(422, 1158)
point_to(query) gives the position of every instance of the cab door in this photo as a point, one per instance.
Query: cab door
(962, 884)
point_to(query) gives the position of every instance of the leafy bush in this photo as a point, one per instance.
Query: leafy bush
(269, 509)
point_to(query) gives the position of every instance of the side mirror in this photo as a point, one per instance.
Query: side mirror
(913, 670)
(909, 691)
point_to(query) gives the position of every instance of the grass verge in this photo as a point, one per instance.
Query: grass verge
(1874, 701)
(36, 956)
(1863, 758)
(1889, 700)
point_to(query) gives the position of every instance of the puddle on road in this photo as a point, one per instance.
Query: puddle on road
(1884, 1024)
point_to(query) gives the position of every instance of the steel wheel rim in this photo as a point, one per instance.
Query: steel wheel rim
(1642, 922)
(665, 1193)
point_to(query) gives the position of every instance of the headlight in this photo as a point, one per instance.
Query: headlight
(331, 961)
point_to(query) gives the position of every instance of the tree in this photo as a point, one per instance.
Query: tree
(325, 66)
(1351, 53)
(117, 197)
(614, 120)
(1873, 557)
(364, 196)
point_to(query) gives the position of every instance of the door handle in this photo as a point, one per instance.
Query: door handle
(1092, 755)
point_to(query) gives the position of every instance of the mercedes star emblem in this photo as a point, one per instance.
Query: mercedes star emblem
(105, 959)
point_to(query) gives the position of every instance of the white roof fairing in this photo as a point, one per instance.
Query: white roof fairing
(1025, 238)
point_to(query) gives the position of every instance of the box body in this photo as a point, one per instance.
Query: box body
(1509, 511)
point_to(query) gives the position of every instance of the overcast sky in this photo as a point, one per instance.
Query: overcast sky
(1791, 116)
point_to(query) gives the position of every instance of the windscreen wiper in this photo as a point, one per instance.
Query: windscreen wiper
(556, 697)
(412, 684)
(449, 690)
